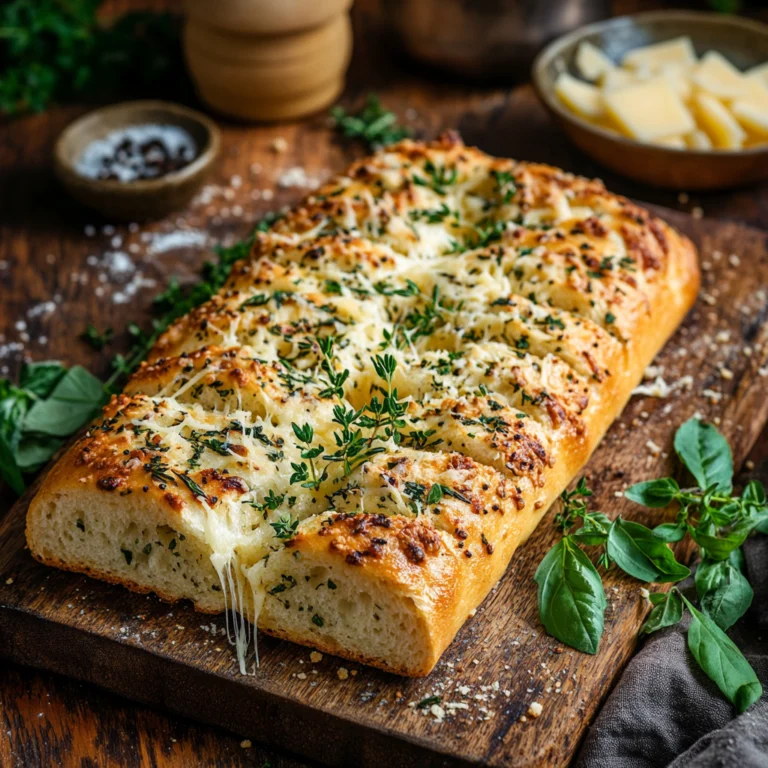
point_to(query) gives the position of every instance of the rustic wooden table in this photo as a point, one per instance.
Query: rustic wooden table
(45, 253)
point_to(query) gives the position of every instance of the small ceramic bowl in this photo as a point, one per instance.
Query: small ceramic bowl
(144, 198)
(742, 41)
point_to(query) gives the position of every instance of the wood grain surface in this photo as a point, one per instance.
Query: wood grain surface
(46, 255)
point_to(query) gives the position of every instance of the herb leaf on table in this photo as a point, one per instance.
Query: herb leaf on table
(722, 661)
(716, 520)
(571, 596)
(707, 455)
(73, 401)
(635, 549)
(667, 611)
(50, 403)
(373, 124)
(723, 589)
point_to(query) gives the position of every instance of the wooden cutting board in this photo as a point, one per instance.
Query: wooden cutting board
(501, 661)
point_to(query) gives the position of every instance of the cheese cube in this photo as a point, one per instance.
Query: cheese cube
(752, 116)
(755, 92)
(698, 140)
(716, 75)
(679, 78)
(759, 73)
(718, 122)
(676, 142)
(581, 97)
(617, 78)
(676, 51)
(591, 62)
(643, 72)
(649, 110)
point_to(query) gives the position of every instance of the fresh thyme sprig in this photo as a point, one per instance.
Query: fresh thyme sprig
(334, 380)
(285, 527)
(386, 413)
(378, 420)
(311, 478)
(351, 449)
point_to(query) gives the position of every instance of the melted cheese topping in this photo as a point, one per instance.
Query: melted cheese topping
(431, 302)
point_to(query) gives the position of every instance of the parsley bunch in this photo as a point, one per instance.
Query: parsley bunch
(57, 50)
(571, 595)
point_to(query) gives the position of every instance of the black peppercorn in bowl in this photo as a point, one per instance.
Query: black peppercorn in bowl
(137, 160)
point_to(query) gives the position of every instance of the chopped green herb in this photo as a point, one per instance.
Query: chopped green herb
(96, 339)
(373, 124)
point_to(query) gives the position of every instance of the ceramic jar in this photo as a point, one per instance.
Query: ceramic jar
(268, 59)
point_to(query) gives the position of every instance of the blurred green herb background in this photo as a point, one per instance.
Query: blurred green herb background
(58, 50)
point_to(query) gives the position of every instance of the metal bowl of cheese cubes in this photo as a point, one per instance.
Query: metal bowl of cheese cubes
(675, 99)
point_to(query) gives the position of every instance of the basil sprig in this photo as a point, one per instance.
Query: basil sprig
(570, 590)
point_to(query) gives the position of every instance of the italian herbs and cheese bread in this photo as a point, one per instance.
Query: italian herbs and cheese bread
(347, 443)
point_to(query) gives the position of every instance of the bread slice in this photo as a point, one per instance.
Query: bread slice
(347, 444)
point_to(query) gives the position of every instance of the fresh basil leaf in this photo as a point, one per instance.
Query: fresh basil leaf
(722, 661)
(665, 614)
(725, 515)
(9, 469)
(724, 593)
(707, 455)
(653, 493)
(755, 500)
(754, 493)
(719, 547)
(635, 549)
(35, 451)
(571, 597)
(73, 401)
(591, 538)
(670, 532)
(41, 378)
(14, 403)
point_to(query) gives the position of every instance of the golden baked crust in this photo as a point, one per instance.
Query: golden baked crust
(515, 306)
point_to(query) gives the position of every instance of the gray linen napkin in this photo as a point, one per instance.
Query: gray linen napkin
(665, 711)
